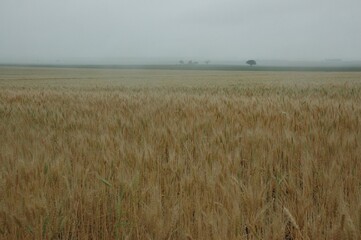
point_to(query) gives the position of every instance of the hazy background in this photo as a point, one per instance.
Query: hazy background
(154, 31)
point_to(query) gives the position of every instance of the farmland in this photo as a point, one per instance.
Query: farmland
(171, 154)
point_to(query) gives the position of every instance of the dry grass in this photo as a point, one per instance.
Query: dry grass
(109, 154)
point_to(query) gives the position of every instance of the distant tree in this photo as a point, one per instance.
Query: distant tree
(181, 62)
(207, 62)
(195, 63)
(190, 62)
(251, 62)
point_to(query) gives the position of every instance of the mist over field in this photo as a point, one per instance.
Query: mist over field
(206, 119)
(141, 32)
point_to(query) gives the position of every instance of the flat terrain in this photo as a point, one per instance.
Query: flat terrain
(170, 154)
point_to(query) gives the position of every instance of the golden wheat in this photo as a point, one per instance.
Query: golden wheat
(121, 154)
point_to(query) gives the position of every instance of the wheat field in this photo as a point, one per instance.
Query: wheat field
(147, 154)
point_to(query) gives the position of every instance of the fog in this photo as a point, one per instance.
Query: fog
(33, 31)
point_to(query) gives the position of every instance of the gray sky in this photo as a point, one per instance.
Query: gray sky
(214, 29)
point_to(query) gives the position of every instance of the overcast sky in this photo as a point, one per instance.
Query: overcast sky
(33, 30)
